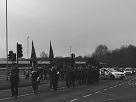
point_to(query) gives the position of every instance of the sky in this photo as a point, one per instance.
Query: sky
(82, 24)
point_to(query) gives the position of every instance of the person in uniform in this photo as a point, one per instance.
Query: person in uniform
(51, 77)
(72, 78)
(55, 78)
(35, 79)
(14, 80)
(67, 75)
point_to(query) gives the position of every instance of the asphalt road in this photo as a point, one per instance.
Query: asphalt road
(104, 91)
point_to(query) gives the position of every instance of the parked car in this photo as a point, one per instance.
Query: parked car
(111, 73)
(129, 71)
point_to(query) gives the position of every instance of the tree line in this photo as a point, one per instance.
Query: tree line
(125, 56)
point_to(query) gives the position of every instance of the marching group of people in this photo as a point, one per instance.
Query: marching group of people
(81, 76)
(72, 75)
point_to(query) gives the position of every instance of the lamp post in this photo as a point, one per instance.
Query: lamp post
(127, 60)
(7, 39)
(28, 47)
(70, 50)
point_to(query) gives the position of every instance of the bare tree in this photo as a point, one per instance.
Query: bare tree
(100, 53)
(43, 55)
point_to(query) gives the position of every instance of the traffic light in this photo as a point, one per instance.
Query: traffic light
(14, 56)
(19, 50)
(91, 60)
(72, 59)
(10, 55)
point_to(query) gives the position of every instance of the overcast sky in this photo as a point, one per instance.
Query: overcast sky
(82, 24)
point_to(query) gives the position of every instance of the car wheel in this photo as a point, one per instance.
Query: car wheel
(121, 78)
(112, 77)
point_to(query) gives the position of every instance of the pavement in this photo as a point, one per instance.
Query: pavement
(25, 82)
(131, 99)
(5, 84)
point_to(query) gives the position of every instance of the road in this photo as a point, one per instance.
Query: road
(104, 91)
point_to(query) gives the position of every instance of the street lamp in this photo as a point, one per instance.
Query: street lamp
(127, 60)
(7, 39)
(70, 50)
(28, 47)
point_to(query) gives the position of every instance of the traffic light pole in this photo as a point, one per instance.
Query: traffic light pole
(17, 55)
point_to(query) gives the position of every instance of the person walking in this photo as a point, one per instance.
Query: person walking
(72, 78)
(55, 78)
(35, 79)
(27, 74)
(51, 78)
(14, 80)
(67, 75)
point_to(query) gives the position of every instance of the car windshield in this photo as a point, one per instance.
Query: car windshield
(128, 69)
(112, 70)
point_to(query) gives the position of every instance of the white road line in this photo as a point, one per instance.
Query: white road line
(97, 92)
(105, 89)
(24, 95)
(115, 86)
(115, 99)
(73, 100)
(62, 88)
(110, 87)
(5, 99)
(87, 95)
(17, 96)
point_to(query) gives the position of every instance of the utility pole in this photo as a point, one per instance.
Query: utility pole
(70, 51)
(28, 47)
(7, 39)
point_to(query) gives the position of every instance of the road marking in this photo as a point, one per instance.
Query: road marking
(87, 95)
(74, 100)
(5, 99)
(97, 92)
(116, 99)
(110, 87)
(62, 88)
(105, 89)
(115, 86)
(27, 94)
(17, 96)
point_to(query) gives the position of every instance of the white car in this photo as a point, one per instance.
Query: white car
(128, 71)
(111, 73)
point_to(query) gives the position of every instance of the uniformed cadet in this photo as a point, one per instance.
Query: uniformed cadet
(51, 77)
(79, 75)
(67, 75)
(14, 79)
(55, 78)
(72, 78)
(97, 73)
(35, 79)
(88, 75)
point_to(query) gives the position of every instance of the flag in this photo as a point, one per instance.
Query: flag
(33, 59)
(51, 55)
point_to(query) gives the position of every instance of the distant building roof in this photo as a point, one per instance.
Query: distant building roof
(39, 62)
(24, 62)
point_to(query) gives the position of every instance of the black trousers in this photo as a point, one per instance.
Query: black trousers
(35, 86)
(51, 83)
(14, 88)
(55, 84)
(71, 81)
